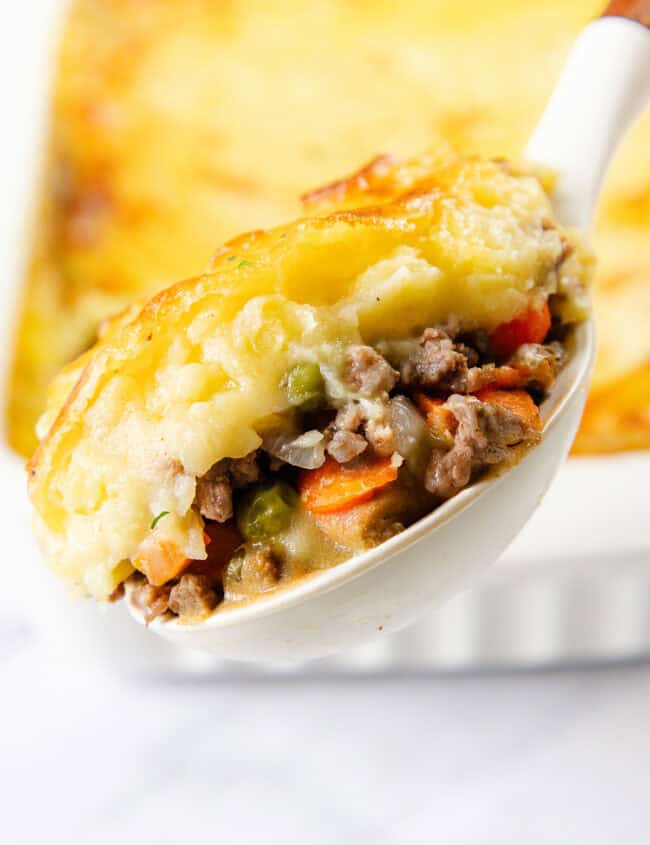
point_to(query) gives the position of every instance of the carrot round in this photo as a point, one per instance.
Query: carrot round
(530, 327)
(440, 420)
(335, 487)
(160, 561)
(517, 401)
(507, 377)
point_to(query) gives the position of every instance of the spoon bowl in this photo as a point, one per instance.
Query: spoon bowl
(390, 586)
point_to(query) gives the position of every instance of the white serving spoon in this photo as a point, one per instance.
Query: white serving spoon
(604, 86)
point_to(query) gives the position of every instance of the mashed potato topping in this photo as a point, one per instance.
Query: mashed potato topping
(196, 374)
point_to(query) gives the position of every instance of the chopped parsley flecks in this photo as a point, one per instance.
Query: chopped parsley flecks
(157, 519)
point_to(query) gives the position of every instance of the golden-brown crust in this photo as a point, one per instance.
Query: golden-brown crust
(373, 178)
(145, 319)
(179, 378)
(409, 192)
(384, 177)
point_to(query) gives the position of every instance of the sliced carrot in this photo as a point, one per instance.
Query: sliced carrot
(440, 420)
(160, 561)
(335, 487)
(530, 327)
(517, 401)
(507, 377)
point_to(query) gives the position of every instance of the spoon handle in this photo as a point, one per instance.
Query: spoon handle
(604, 86)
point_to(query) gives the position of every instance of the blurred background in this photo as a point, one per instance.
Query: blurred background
(138, 136)
(173, 126)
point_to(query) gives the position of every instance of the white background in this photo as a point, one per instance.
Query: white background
(88, 755)
(84, 758)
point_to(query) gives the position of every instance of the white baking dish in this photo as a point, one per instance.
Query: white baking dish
(575, 585)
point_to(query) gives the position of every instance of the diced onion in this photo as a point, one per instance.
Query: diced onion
(309, 438)
(408, 425)
(412, 436)
(306, 451)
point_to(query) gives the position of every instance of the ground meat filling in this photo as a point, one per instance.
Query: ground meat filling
(438, 376)
(438, 363)
(214, 490)
(442, 364)
(152, 601)
(344, 446)
(353, 431)
(193, 596)
(214, 495)
(540, 362)
(244, 470)
(253, 571)
(369, 372)
(483, 436)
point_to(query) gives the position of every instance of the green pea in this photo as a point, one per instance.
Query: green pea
(305, 387)
(266, 510)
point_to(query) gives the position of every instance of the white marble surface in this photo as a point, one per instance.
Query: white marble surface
(88, 758)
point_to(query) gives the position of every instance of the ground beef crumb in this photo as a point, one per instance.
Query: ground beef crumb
(371, 374)
(352, 431)
(442, 364)
(260, 571)
(541, 363)
(214, 489)
(244, 470)
(346, 445)
(482, 439)
(257, 571)
(438, 363)
(214, 496)
(152, 601)
(193, 597)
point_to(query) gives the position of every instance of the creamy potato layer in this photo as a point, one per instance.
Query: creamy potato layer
(458, 262)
